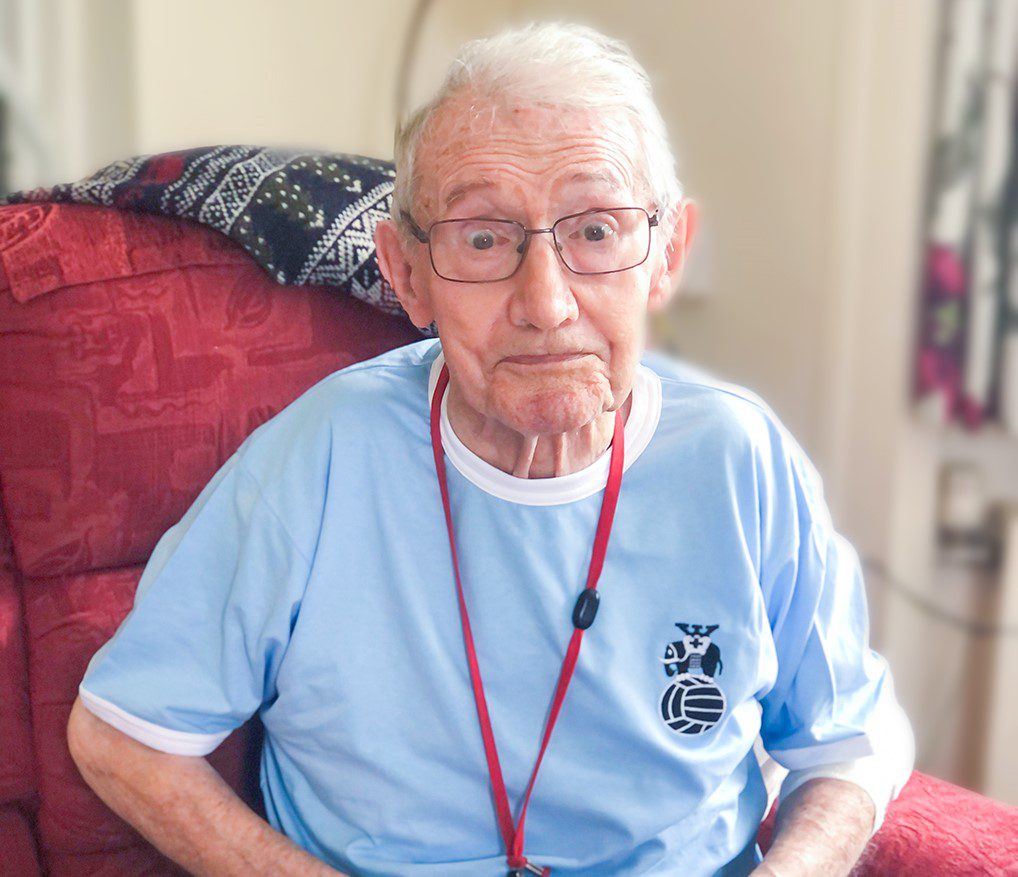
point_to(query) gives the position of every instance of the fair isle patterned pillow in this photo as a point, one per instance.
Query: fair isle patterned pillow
(308, 218)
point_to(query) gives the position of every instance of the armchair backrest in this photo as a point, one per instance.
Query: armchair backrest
(136, 353)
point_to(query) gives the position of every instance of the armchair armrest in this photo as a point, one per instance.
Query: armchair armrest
(935, 827)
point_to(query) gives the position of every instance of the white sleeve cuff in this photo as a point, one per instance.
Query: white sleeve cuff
(806, 757)
(149, 733)
(882, 774)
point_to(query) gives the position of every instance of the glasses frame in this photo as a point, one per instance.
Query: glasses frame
(424, 237)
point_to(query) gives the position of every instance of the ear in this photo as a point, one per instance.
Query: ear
(666, 280)
(399, 271)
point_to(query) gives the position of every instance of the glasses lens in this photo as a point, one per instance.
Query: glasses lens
(606, 240)
(476, 249)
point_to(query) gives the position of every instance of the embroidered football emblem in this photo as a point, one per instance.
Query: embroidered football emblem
(692, 703)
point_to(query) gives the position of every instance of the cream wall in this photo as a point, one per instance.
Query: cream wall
(319, 74)
(315, 73)
(66, 70)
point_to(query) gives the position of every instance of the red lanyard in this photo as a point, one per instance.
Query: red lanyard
(583, 616)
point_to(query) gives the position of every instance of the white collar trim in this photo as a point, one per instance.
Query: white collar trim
(640, 426)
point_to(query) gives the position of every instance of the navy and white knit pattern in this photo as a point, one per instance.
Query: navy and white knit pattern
(308, 218)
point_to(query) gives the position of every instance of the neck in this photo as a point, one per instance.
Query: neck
(531, 456)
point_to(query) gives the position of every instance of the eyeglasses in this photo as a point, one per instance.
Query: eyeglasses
(485, 249)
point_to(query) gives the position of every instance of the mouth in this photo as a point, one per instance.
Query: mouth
(545, 358)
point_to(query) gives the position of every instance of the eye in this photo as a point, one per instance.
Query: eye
(593, 229)
(483, 239)
(596, 231)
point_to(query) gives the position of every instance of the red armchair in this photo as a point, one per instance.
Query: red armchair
(136, 353)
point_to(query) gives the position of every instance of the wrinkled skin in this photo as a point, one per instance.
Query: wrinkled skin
(534, 420)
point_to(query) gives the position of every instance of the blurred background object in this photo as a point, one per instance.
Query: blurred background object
(858, 262)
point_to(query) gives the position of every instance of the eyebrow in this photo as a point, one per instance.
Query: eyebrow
(463, 188)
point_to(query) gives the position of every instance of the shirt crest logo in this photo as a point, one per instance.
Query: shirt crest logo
(692, 703)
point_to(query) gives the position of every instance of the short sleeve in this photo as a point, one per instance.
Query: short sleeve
(881, 775)
(832, 694)
(199, 651)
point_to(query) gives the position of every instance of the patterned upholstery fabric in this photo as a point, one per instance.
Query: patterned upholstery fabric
(936, 828)
(17, 772)
(305, 217)
(18, 843)
(136, 353)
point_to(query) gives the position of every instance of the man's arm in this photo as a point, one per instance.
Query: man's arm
(182, 805)
(822, 827)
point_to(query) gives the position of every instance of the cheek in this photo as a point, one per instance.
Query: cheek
(621, 320)
(619, 298)
(471, 362)
(466, 305)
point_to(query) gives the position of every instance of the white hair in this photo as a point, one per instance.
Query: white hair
(551, 63)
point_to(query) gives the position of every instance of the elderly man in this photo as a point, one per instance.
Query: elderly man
(529, 574)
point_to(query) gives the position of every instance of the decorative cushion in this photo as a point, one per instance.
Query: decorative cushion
(305, 217)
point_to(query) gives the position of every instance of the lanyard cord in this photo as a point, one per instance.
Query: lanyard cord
(583, 616)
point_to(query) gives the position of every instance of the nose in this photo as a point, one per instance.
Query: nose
(543, 297)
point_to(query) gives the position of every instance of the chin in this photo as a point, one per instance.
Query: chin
(546, 411)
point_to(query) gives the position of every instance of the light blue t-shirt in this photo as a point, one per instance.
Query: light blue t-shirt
(311, 581)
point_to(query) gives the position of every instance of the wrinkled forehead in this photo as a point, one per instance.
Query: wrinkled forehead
(497, 153)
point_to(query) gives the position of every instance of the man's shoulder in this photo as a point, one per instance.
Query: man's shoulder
(365, 384)
(344, 402)
(697, 393)
(397, 371)
(738, 422)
